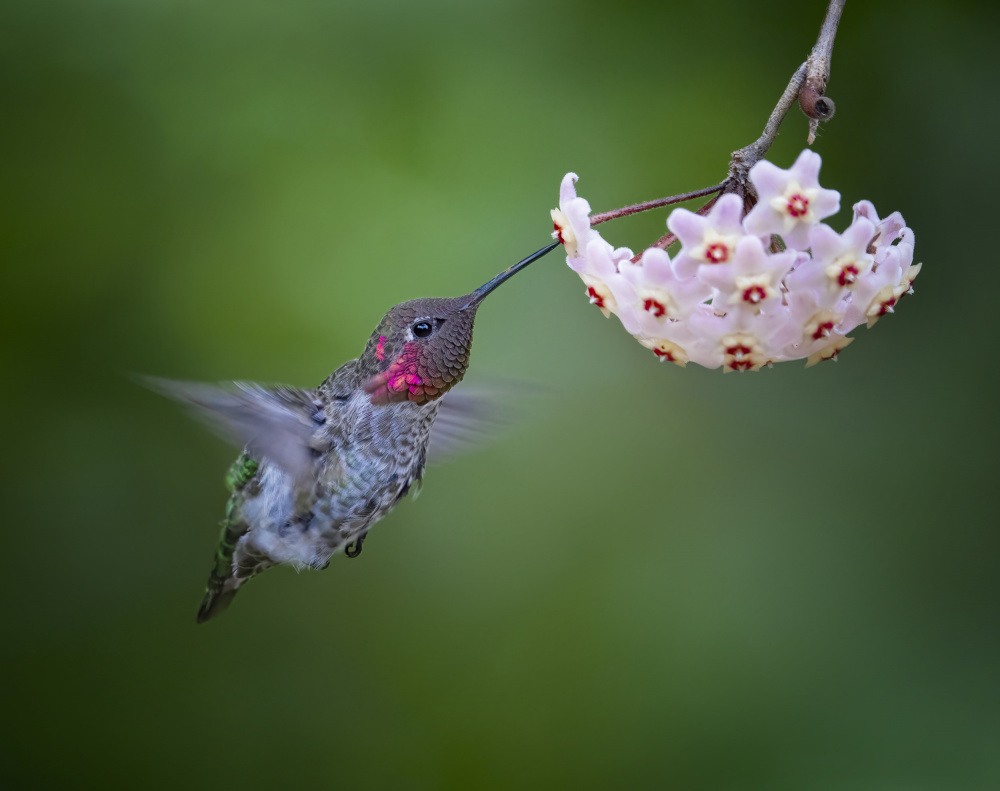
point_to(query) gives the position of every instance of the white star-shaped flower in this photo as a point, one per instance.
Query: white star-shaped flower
(709, 239)
(751, 279)
(790, 201)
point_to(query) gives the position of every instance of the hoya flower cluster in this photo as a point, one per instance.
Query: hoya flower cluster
(732, 295)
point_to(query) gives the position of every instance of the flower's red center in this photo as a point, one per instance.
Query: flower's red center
(848, 275)
(666, 355)
(886, 306)
(739, 358)
(741, 353)
(559, 232)
(717, 252)
(658, 309)
(754, 294)
(823, 329)
(595, 297)
(798, 205)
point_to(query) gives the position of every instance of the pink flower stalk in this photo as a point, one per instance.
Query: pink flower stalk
(733, 295)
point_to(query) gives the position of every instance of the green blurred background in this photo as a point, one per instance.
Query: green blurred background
(662, 578)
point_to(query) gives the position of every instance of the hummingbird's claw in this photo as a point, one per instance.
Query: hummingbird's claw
(354, 549)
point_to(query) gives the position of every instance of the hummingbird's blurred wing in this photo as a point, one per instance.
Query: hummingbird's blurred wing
(277, 423)
(469, 417)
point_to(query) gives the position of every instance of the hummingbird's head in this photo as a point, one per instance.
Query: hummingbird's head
(420, 349)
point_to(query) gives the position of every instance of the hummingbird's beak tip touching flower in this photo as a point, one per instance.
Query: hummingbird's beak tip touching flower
(571, 221)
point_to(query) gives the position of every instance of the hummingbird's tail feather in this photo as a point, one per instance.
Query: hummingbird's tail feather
(216, 600)
(229, 573)
(222, 580)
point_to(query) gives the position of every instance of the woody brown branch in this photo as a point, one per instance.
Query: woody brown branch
(807, 86)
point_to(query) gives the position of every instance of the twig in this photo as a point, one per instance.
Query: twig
(597, 219)
(741, 161)
(807, 86)
(668, 239)
(811, 99)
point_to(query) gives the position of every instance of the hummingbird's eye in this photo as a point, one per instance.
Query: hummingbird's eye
(422, 329)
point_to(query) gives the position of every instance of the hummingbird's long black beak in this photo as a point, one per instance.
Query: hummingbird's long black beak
(480, 293)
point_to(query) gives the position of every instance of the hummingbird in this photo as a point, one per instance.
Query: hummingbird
(320, 467)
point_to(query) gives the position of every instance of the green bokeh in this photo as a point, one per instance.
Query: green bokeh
(663, 578)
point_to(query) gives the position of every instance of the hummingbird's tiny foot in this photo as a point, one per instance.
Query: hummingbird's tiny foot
(353, 550)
